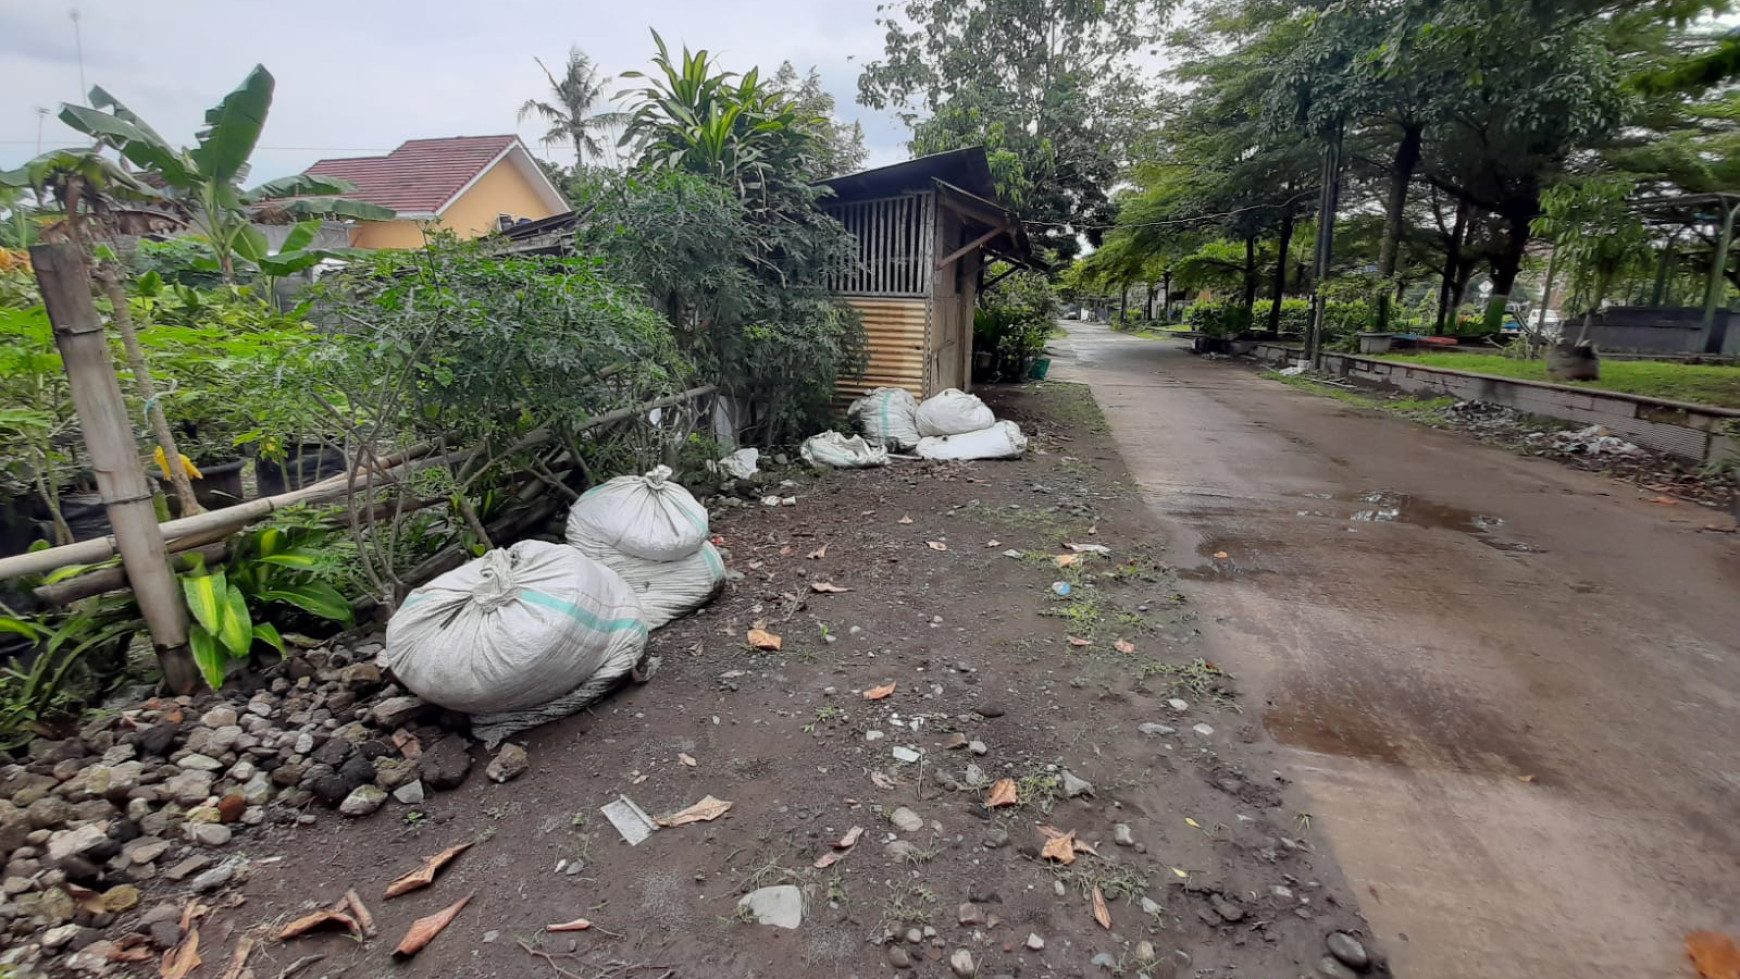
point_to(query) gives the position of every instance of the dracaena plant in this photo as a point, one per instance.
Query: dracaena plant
(205, 182)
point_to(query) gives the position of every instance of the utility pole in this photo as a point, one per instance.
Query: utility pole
(65, 282)
(79, 45)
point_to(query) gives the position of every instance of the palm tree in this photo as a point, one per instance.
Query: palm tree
(570, 115)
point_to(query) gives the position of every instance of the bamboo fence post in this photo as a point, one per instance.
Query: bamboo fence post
(66, 292)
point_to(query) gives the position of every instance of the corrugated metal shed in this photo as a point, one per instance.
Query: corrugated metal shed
(895, 330)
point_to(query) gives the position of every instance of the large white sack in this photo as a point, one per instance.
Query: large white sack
(834, 449)
(515, 629)
(1001, 441)
(889, 417)
(648, 517)
(953, 412)
(669, 590)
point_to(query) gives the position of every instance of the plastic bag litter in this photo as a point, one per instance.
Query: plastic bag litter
(834, 449)
(953, 412)
(740, 464)
(511, 629)
(646, 517)
(1001, 441)
(669, 590)
(889, 417)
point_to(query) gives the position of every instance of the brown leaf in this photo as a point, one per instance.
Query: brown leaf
(1061, 849)
(827, 588)
(686, 759)
(904, 520)
(705, 811)
(425, 875)
(193, 912)
(1065, 560)
(320, 919)
(1665, 501)
(826, 860)
(1220, 555)
(785, 551)
(1525, 778)
(86, 898)
(239, 958)
(1083, 846)
(883, 781)
(879, 693)
(936, 545)
(1124, 646)
(138, 953)
(1079, 641)
(424, 930)
(183, 958)
(762, 639)
(819, 553)
(578, 924)
(360, 912)
(1002, 794)
(1714, 955)
(1101, 913)
(1050, 832)
(846, 842)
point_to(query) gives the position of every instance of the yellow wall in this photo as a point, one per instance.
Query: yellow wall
(503, 190)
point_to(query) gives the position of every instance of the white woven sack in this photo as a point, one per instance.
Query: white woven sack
(647, 517)
(834, 449)
(1001, 441)
(669, 590)
(889, 417)
(953, 412)
(515, 629)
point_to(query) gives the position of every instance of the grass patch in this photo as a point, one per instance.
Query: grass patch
(1197, 680)
(1070, 405)
(1428, 411)
(1042, 789)
(1048, 525)
(1696, 383)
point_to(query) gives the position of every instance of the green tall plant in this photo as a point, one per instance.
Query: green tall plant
(206, 181)
(1596, 235)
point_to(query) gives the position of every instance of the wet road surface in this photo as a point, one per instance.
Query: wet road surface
(1509, 691)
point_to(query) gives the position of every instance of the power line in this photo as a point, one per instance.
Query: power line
(1173, 221)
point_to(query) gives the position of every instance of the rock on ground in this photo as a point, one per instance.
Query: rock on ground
(509, 763)
(781, 906)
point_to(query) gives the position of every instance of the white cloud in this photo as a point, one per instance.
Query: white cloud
(361, 77)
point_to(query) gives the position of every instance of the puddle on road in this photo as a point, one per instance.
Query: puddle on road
(1383, 506)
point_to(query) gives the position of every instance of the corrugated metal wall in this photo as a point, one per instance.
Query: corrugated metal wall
(895, 332)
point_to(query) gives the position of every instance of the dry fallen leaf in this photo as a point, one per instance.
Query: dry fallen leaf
(827, 588)
(826, 860)
(1079, 641)
(360, 912)
(1059, 848)
(1525, 778)
(578, 924)
(1101, 914)
(183, 958)
(819, 553)
(1665, 501)
(936, 545)
(320, 919)
(1124, 646)
(785, 551)
(762, 639)
(879, 693)
(1220, 555)
(425, 875)
(705, 811)
(1714, 955)
(1083, 846)
(193, 912)
(1002, 794)
(1191, 822)
(850, 838)
(904, 520)
(884, 782)
(1180, 873)
(239, 959)
(1065, 560)
(424, 930)
(685, 759)
(131, 956)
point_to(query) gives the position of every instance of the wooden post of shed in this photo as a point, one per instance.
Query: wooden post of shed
(121, 480)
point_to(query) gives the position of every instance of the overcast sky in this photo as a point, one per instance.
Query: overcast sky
(358, 78)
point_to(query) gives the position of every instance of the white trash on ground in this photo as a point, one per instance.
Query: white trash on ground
(740, 464)
(889, 417)
(834, 449)
(953, 412)
(669, 590)
(1001, 441)
(646, 517)
(523, 635)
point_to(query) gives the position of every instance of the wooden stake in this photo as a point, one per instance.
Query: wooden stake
(65, 282)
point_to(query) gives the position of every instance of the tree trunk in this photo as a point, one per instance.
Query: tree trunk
(123, 319)
(1449, 292)
(1149, 313)
(1166, 297)
(1123, 303)
(1280, 288)
(1250, 294)
(78, 332)
(1401, 174)
(1505, 268)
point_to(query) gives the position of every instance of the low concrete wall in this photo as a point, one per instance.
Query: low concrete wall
(1700, 433)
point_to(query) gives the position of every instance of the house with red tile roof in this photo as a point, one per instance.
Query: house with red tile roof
(469, 185)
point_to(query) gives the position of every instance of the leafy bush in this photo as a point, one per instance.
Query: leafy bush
(1015, 319)
(1218, 318)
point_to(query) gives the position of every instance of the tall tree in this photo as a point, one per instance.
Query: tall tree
(1038, 82)
(838, 147)
(572, 108)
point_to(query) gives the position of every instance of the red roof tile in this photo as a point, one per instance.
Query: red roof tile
(422, 175)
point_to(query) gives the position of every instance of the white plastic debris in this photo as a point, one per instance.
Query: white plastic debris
(740, 464)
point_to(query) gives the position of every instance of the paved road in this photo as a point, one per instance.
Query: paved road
(1509, 691)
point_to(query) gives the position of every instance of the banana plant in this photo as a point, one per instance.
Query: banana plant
(206, 181)
(227, 605)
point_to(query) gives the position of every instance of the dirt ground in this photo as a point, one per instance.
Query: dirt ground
(1225, 876)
